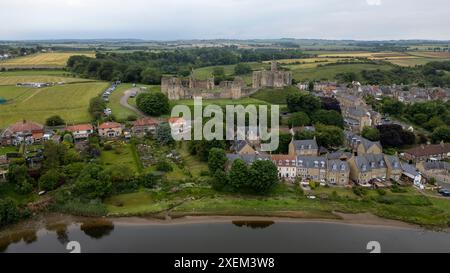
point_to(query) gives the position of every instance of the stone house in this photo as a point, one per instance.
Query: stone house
(361, 145)
(312, 168)
(394, 167)
(110, 130)
(338, 172)
(356, 118)
(364, 168)
(242, 147)
(304, 148)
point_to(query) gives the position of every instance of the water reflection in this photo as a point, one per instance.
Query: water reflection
(28, 236)
(97, 228)
(62, 234)
(254, 224)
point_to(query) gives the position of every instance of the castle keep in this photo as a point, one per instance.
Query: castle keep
(272, 78)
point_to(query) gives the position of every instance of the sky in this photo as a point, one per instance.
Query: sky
(228, 19)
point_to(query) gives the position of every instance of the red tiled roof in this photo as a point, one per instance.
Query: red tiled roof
(175, 120)
(283, 160)
(108, 125)
(145, 122)
(80, 127)
(429, 150)
(25, 126)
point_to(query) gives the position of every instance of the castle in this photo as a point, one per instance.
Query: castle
(178, 89)
(272, 78)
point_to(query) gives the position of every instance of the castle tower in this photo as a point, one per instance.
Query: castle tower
(273, 66)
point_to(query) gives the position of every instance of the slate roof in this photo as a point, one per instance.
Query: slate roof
(309, 144)
(429, 150)
(312, 162)
(338, 165)
(369, 162)
(352, 138)
(438, 165)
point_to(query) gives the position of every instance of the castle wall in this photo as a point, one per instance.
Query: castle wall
(272, 78)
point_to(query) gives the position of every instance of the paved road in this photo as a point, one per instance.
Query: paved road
(124, 101)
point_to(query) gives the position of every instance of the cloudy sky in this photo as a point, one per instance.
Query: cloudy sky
(242, 19)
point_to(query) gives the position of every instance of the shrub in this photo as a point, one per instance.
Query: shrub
(360, 191)
(381, 192)
(107, 147)
(54, 121)
(164, 166)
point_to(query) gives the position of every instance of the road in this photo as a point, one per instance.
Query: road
(124, 101)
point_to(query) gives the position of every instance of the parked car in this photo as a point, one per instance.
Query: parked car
(444, 192)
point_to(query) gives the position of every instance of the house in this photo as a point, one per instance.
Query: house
(304, 148)
(312, 168)
(356, 118)
(287, 166)
(339, 155)
(428, 152)
(110, 130)
(361, 145)
(394, 167)
(242, 147)
(338, 172)
(180, 127)
(28, 132)
(145, 126)
(365, 168)
(80, 131)
(249, 133)
(411, 175)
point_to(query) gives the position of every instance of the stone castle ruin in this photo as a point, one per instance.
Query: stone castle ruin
(178, 88)
(181, 88)
(272, 78)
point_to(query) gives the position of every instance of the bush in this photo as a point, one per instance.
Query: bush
(360, 191)
(313, 185)
(107, 147)
(381, 192)
(54, 121)
(164, 166)
(397, 189)
(148, 180)
(9, 213)
(49, 181)
(132, 118)
(153, 104)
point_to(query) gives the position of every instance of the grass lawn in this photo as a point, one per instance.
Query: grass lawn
(7, 190)
(42, 60)
(13, 80)
(122, 154)
(69, 101)
(206, 72)
(40, 72)
(9, 149)
(275, 95)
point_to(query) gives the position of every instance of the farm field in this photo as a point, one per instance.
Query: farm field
(43, 60)
(13, 80)
(70, 101)
(330, 72)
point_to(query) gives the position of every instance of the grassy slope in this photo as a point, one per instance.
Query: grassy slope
(274, 96)
(121, 156)
(70, 101)
(330, 72)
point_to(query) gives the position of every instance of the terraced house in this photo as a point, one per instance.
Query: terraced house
(80, 131)
(364, 168)
(338, 172)
(361, 145)
(303, 148)
(312, 168)
(287, 166)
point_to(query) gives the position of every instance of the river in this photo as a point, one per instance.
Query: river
(100, 235)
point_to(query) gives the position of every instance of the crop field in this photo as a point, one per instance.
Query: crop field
(69, 101)
(13, 80)
(43, 60)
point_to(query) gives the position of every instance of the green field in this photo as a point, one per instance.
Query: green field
(5, 150)
(122, 154)
(69, 101)
(330, 72)
(274, 95)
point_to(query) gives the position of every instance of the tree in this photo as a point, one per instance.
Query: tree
(393, 136)
(299, 119)
(216, 160)
(201, 148)
(50, 180)
(371, 133)
(164, 166)
(393, 107)
(302, 135)
(242, 69)
(328, 118)
(218, 71)
(420, 118)
(19, 177)
(303, 102)
(151, 76)
(441, 133)
(331, 104)
(153, 104)
(96, 107)
(329, 136)
(54, 155)
(54, 121)
(239, 174)
(164, 134)
(263, 176)
(9, 212)
(93, 182)
(285, 140)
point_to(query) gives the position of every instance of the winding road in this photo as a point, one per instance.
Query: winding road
(124, 101)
